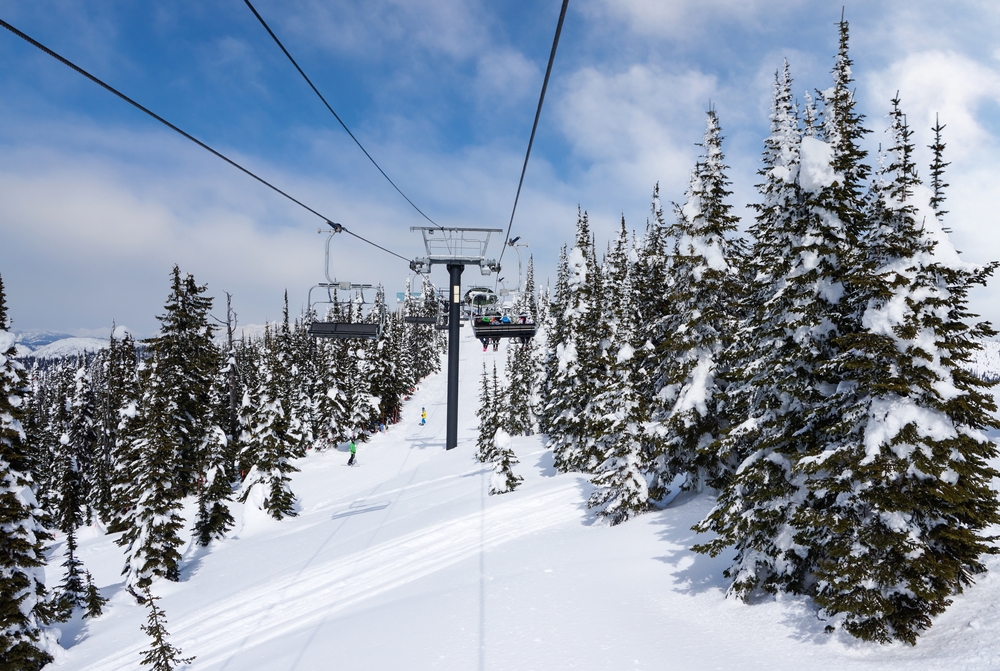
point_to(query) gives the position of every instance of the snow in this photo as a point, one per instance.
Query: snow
(815, 170)
(888, 416)
(69, 347)
(408, 563)
(6, 341)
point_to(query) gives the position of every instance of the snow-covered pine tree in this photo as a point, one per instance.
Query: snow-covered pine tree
(72, 591)
(330, 399)
(488, 420)
(214, 518)
(580, 362)
(753, 395)
(650, 284)
(762, 509)
(26, 609)
(556, 333)
(691, 375)
(521, 375)
(621, 484)
(153, 525)
(119, 423)
(172, 425)
(76, 469)
(902, 488)
(162, 655)
(503, 479)
(269, 445)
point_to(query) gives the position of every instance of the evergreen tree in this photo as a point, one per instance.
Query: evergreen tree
(161, 655)
(503, 479)
(187, 361)
(173, 424)
(214, 518)
(579, 360)
(765, 503)
(622, 479)
(902, 489)
(154, 523)
(269, 444)
(521, 373)
(24, 601)
(691, 376)
(119, 430)
(488, 419)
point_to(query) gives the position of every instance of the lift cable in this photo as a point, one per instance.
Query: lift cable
(534, 126)
(198, 142)
(335, 115)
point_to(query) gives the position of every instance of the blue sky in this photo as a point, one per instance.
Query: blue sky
(99, 201)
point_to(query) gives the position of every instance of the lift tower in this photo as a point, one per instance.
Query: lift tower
(454, 248)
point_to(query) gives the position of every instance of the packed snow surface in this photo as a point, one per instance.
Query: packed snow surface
(407, 563)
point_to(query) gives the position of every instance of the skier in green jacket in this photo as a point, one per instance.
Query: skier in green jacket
(350, 462)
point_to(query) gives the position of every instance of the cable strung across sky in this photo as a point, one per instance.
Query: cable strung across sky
(534, 126)
(198, 142)
(335, 115)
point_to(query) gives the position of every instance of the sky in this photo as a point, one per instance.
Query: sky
(99, 201)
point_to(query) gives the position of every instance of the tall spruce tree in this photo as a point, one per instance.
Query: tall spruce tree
(691, 375)
(622, 479)
(764, 507)
(25, 606)
(173, 423)
(268, 438)
(902, 489)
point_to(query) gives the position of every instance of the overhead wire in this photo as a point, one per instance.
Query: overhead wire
(335, 115)
(187, 135)
(534, 126)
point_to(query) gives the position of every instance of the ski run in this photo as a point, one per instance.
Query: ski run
(409, 563)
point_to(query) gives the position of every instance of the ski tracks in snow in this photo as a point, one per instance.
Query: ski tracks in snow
(274, 610)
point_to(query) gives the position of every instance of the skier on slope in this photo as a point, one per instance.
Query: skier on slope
(350, 462)
(423, 416)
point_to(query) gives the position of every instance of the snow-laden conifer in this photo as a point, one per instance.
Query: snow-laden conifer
(691, 371)
(25, 641)
(161, 655)
(269, 444)
(901, 491)
(579, 360)
(807, 305)
(621, 481)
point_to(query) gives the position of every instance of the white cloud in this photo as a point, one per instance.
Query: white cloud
(450, 27)
(687, 18)
(505, 78)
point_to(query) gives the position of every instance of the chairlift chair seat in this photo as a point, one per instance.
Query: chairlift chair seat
(344, 330)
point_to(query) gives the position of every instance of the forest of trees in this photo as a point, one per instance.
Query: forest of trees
(814, 375)
(122, 437)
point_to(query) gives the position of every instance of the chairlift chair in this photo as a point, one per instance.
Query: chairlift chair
(336, 327)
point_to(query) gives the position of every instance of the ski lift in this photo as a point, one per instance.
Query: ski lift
(493, 326)
(334, 326)
(440, 318)
(495, 320)
(480, 300)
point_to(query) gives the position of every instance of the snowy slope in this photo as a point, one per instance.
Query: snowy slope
(407, 563)
(69, 347)
(986, 362)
